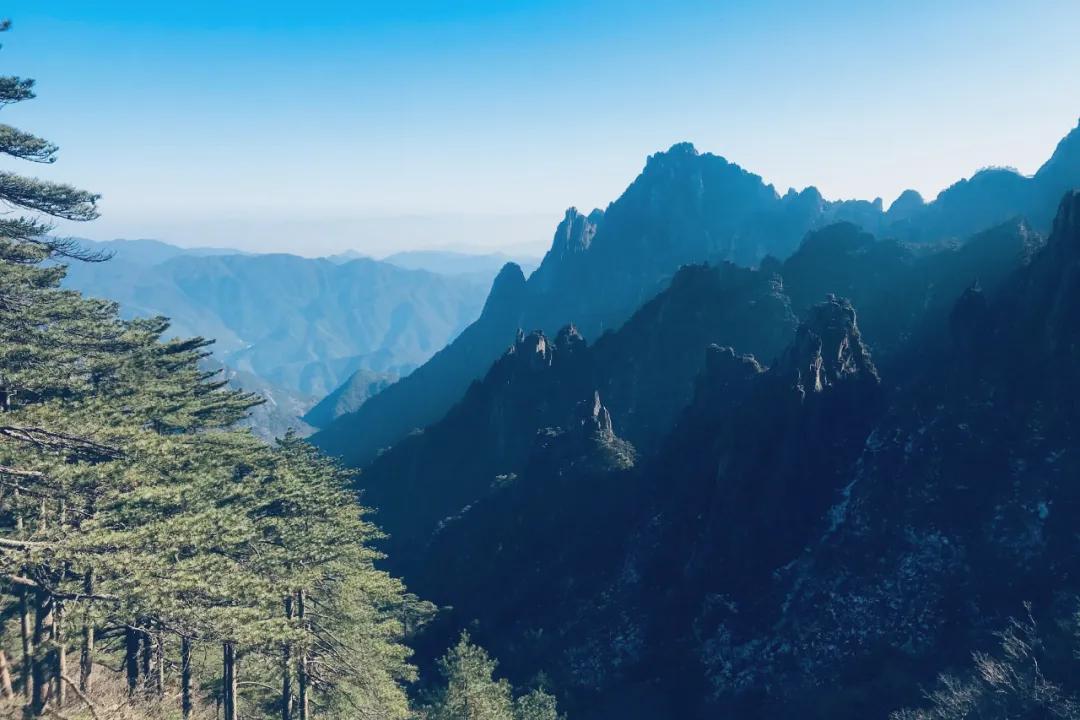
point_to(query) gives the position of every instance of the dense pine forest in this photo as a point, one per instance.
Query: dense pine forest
(158, 562)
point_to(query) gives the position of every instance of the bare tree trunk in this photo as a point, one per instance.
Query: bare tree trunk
(185, 676)
(159, 665)
(131, 658)
(39, 697)
(61, 654)
(5, 676)
(147, 655)
(229, 680)
(27, 642)
(286, 667)
(303, 660)
(86, 658)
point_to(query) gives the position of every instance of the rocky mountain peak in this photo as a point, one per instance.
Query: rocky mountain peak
(827, 350)
(508, 288)
(534, 349)
(594, 418)
(680, 149)
(569, 339)
(576, 232)
(909, 203)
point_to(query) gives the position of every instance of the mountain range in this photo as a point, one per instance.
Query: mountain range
(728, 453)
(684, 207)
(482, 266)
(290, 328)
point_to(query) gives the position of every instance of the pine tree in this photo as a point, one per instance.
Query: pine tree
(536, 704)
(132, 510)
(471, 691)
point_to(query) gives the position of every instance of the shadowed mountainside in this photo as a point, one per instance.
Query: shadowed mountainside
(683, 208)
(817, 534)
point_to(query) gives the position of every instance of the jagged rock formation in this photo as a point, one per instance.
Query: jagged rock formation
(817, 538)
(685, 207)
(960, 505)
(645, 372)
(704, 517)
(434, 473)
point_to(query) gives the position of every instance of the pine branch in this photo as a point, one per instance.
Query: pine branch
(59, 442)
(27, 582)
(15, 89)
(54, 199)
(25, 146)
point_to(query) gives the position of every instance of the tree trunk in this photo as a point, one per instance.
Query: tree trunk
(286, 667)
(147, 656)
(86, 658)
(185, 676)
(5, 676)
(131, 658)
(27, 643)
(61, 653)
(39, 697)
(228, 685)
(159, 665)
(302, 660)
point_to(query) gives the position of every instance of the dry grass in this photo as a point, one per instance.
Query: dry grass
(110, 701)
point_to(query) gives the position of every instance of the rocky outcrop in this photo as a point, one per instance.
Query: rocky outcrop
(575, 233)
(957, 510)
(828, 350)
(594, 419)
(645, 373)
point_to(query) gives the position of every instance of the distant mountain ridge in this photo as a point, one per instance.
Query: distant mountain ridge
(349, 396)
(303, 324)
(684, 207)
(447, 262)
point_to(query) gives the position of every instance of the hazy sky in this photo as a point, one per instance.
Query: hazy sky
(320, 126)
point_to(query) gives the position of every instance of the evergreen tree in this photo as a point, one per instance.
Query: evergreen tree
(471, 691)
(536, 704)
(136, 522)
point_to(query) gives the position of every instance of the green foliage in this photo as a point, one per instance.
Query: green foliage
(134, 513)
(472, 692)
(536, 705)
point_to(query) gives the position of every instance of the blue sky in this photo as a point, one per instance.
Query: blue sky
(319, 126)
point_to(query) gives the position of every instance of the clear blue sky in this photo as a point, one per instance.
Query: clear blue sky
(318, 126)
